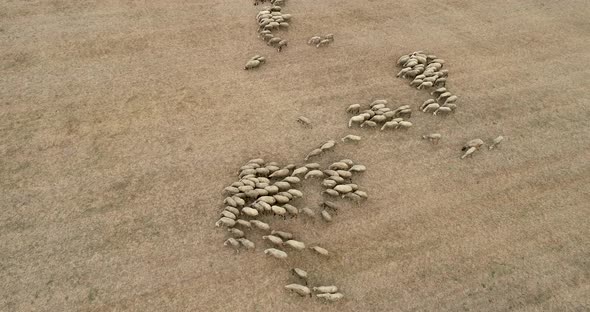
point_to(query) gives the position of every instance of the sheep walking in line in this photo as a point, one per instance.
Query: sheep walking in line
(276, 253)
(301, 290)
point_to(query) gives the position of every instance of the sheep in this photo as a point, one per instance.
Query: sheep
(495, 142)
(351, 138)
(299, 171)
(354, 108)
(442, 110)
(352, 197)
(299, 289)
(267, 37)
(230, 190)
(405, 124)
(246, 243)
(292, 180)
(292, 210)
(326, 289)
(369, 123)
(440, 82)
(323, 43)
(337, 179)
(450, 99)
(284, 25)
(252, 64)
(319, 250)
(361, 194)
(282, 43)
(403, 72)
(314, 174)
(477, 143)
(237, 233)
(377, 107)
(343, 188)
(233, 243)
(313, 153)
(286, 16)
(430, 108)
(228, 214)
(300, 274)
(329, 37)
(425, 84)
(326, 216)
(250, 211)
(469, 152)
(304, 121)
(295, 193)
(274, 41)
(281, 199)
(244, 223)
(345, 174)
(338, 166)
(433, 137)
(313, 166)
(328, 145)
(276, 253)
(331, 192)
(358, 168)
(443, 96)
(402, 60)
(308, 212)
(411, 63)
(452, 106)
(297, 245)
(378, 118)
(314, 40)
(405, 113)
(233, 210)
(282, 234)
(273, 239)
(260, 225)
(271, 189)
(225, 222)
(331, 297)
(416, 82)
(230, 201)
(390, 125)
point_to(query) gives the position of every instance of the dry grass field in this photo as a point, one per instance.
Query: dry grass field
(122, 121)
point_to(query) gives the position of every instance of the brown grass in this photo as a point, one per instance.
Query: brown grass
(120, 123)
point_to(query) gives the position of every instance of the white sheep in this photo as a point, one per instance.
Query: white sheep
(300, 273)
(244, 223)
(328, 145)
(304, 121)
(323, 43)
(450, 99)
(354, 108)
(438, 91)
(233, 210)
(496, 141)
(252, 64)
(300, 171)
(276, 253)
(292, 210)
(282, 43)
(390, 125)
(237, 233)
(295, 193)
(314, 174)
(405, 124)
(299, 289)
(358, 168)
(326, 289)
(319, 250)
(313, 153)
(250, 212)
(314, 40)
(297, 245)
(274, 41)
(433, 137)
(233, 243)
(228, 214)
(343, 188)
(331, 297)
(326, 216)
(246, 243)
(443, 96)
(430, 108)
(477, 143)
(425, 84)
(282, 234)
(361, 194)
(273, 239)
(225, 222)
(369, 123)
(313, 166)
(443, 110)
(308, 212)
(351, 138)
(330, 191)
(260, 225)
(469, 152)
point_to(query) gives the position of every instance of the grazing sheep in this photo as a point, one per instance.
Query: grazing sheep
(313, 166)
(331, 297)
(496, 141)
(345, 174)
(402, 60)
(352, 197)
(281, 199)
(390, 125)
(326, 289)
(439, 91)
(276, 253)
(225, 222)
(326, 216)
(416, 82)
(450, 99)
(444, 96)
(425, 84)
(426, 103)
(433, 137)
(281, 173)
(233, 210)
(328, 145)
(354, 108)
(338, 179)
(260, 225)
(300, 273)
(228, 214)
(430, 108)
(405, 124)
(297, 245)
(477, 143)
(338, 166)
(403, 72)
(299, 171)
(304, 121)
(358, 168)
(282, 43)
(251, 212)
(283, 235)
(313, 153)
(292, 180)
(329, 37)
(469, 152)
(319, 250)
(284, 25)
(230, 201)
(330, 191)
(274, 41)
(361, 194)
(369, 123)
(378, 118)
(308, 212)
(271, 189)
(244, 223)
(292, 210)
(314, 174)
(443, 110)
(343, 188)
(286, 17)
(237, 233)
(246, 243)
(295, 193)
(351, 138)
(314, 40)
(230, 190)
(301, 290)
(233, 243)
(252, 64)
(273, 239)
(323, 43)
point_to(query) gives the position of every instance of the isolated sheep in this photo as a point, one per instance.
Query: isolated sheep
(326, 216)
(433, 137)
(313, 153)
(496, 141)
(331, 297)
(252, 64)
(301, 290)
(354, 108)
(361, 194)
(351, 138)
(304, 121)
(276, 253)
(319, 250)
(308, 212)
(358, 168)
(328, 145)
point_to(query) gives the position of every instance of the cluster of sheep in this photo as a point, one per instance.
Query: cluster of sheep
(473, 145)
(321, 41)
(379, 113)
(426, 72)
(328, 293)
(324, 147)
(270, 19)
(254, 62)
